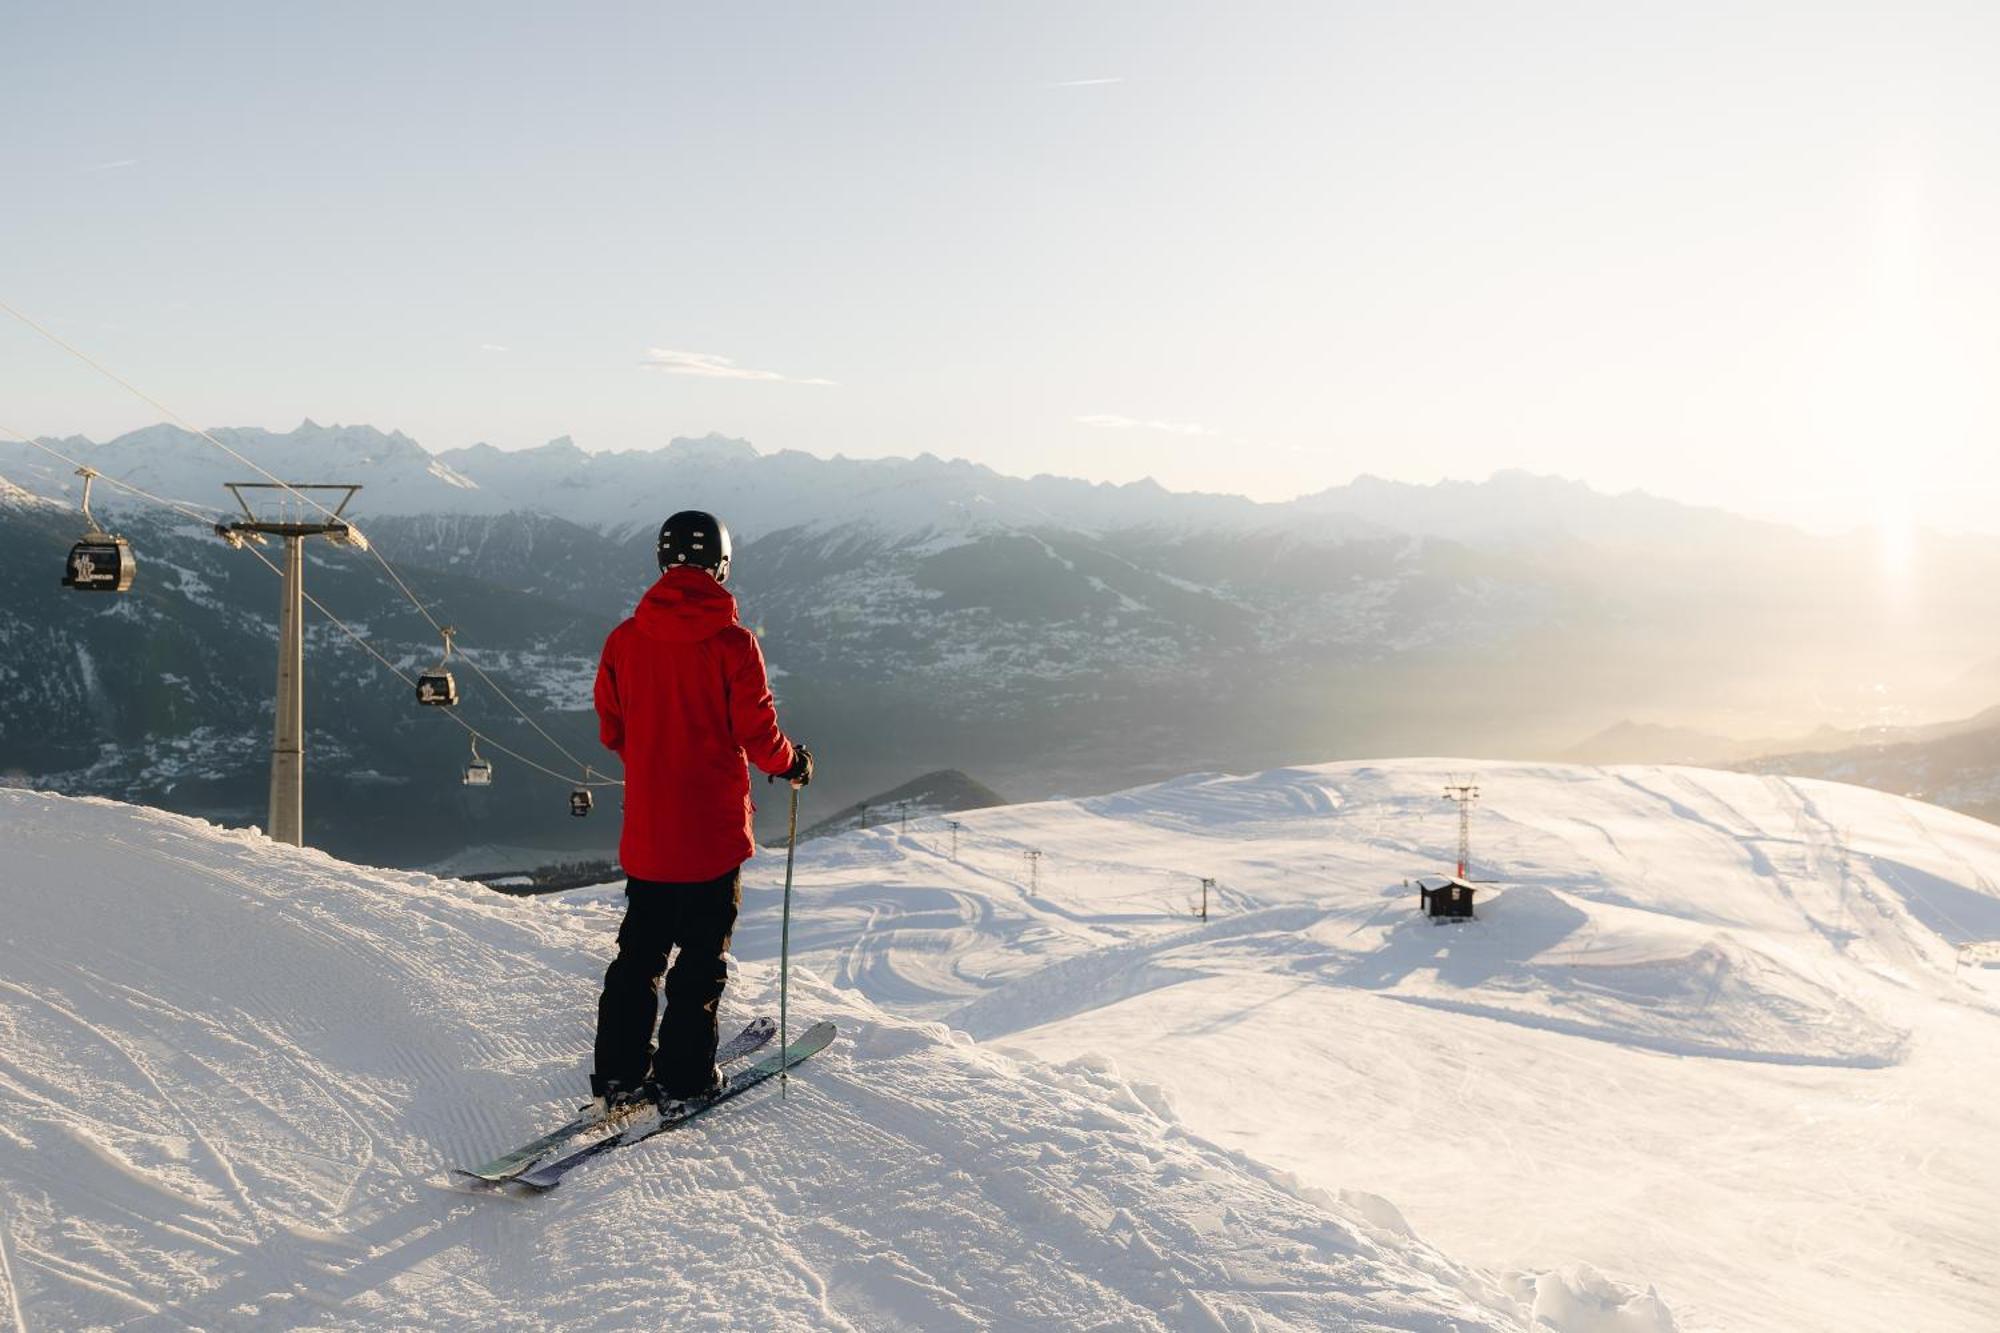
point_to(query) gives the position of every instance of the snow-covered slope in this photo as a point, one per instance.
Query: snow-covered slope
(1728, 1036)
(232, 1074)
(1733, 1035)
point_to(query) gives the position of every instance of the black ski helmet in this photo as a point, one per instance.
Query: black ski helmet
(692, 537)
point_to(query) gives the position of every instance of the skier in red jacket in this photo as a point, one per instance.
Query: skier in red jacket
(683, 699)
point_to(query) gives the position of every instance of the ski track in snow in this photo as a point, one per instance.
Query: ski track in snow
(233, 1077)
(1713, 1032)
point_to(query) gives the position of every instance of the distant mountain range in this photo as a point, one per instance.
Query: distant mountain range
(1629, 742)
(920, 614)
(621, 493)
(1956, 765)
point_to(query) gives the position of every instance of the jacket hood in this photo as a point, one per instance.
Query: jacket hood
(685, 606)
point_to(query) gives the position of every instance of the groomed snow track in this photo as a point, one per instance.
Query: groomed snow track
(233, 1076)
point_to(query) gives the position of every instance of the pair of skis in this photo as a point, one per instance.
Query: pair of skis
(755, 1034)
(632, 1124)
(636, 1124)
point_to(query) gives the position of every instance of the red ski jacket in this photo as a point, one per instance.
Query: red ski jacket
(682, 698)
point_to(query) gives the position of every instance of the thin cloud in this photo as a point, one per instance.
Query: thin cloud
(707, 365)
(494, 347)
(1112, 421)
(1086, 83)
(112, 166)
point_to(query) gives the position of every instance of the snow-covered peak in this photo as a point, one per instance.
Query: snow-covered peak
(899, 498)
(1517, 506)
(628, 491)
(443, 472)
(397, 475)
(714, 449)
(10, 494)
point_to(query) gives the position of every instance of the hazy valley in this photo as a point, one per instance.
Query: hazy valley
(1043, 636)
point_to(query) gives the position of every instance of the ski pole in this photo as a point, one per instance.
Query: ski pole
(785, 952)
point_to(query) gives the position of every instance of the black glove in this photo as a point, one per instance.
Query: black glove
(801, 771)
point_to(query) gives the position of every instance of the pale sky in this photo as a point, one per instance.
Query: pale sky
(1739, 254)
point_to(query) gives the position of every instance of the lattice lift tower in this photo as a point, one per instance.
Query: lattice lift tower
(1465, 793)
(288, 755)
(1452, 900)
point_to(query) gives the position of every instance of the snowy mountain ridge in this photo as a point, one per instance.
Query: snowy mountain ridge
(1514, 506)
(10, 494)
(622, 492)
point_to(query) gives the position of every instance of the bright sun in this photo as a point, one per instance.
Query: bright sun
(1897, 530)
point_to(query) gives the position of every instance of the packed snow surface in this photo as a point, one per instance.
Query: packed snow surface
(1720, 1053)
(233, 1077)
(1733, 1037)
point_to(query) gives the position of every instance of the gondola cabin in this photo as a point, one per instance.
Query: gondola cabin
(479, 773)
(579, 802)
(437, 689)
(100, 563)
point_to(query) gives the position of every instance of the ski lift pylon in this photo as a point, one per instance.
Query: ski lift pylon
(101, 561)
(436, 688)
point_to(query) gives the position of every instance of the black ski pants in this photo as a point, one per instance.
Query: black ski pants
(697, 919)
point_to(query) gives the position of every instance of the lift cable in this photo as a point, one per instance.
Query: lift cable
(188, 511)
(372, 549)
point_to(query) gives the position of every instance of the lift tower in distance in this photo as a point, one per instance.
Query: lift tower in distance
(1465, 793)
(288, 759)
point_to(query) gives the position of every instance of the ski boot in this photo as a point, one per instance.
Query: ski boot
(665, 1099)
(612, 1098)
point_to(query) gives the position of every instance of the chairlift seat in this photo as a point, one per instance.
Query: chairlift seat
(437, 689)
(100, 563)
(479, 773)
(579, 802)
